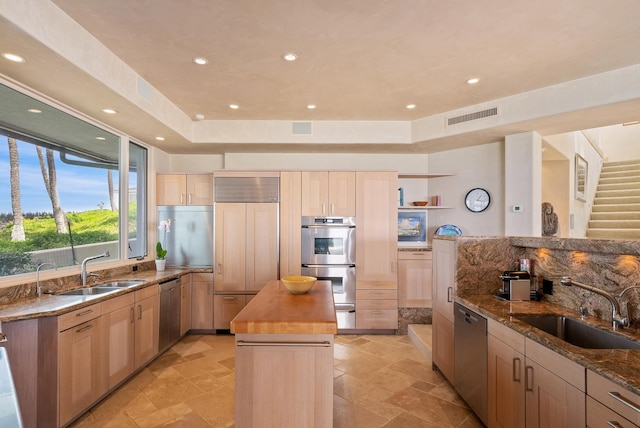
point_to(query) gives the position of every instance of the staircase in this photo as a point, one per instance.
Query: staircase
(616, 208)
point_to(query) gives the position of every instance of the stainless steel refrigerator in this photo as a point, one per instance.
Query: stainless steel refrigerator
(190, 240)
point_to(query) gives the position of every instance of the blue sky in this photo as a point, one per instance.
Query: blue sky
(80, 188)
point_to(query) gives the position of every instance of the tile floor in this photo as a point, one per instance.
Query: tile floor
(379, 381)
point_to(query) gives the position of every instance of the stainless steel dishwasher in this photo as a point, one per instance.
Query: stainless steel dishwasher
(470, 359)
(169, 313)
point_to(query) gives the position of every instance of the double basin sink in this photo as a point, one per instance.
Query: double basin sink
(107, 287)
(577, 332)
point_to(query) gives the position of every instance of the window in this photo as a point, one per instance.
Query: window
(63, 188)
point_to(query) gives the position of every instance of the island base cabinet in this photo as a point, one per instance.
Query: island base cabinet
(284, 380)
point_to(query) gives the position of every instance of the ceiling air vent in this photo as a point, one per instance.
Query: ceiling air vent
(472, 116)
(301, 128)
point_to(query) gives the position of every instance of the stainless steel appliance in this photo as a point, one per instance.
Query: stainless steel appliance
(328, 253)
(169, 314)
(516, 285)
(190, 239)
(470, 359)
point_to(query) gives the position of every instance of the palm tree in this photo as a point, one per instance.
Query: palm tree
(51, 184)
(17, 233)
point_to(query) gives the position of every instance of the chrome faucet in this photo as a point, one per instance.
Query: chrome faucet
(83, 272)
(622, 293)
(616, 316)
(38, 288)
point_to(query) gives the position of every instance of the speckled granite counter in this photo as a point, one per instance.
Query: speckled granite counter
(53, 305)
(619, 365)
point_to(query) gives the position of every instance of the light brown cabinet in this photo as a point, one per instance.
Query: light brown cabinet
(414, 279)
(609, 404)
(443, 264)
(119, 338)
(147, 324)
(290, 223)
(184, 189)
(80, 360)
(328, 193)
(226, 307)
(185, 305)
(202, 301)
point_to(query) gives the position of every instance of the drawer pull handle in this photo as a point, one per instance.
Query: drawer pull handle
(449, 289)
(324, 344)
(81, 314)
(614, 424)
(133, 315)
(139, 312)
(230, 298)
(624, 400)
(528, 379)
(85, 328)
(516, 369)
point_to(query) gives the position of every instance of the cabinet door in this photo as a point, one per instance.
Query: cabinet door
(505, 385)
(262, 245)
(290, 223)
(443, 277)
(342, 193)
(225, 309)
(377, 234)
(199, 189)
(80, 367)
(230, 244)
(315, 193)
(147, 329)
(185, 305)
(119, 327)
(443, 356)
(550, 400)
(201, 302)
(171, 189)
(414, 283)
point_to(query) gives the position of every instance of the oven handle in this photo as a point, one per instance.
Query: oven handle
(327, 266)
(327, 226)
(350, 307)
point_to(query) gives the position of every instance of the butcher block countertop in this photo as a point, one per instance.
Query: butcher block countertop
(275, 310)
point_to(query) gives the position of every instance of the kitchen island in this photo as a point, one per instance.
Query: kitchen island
(284, 358)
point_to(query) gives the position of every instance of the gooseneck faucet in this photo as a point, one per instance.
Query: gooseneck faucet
(38, 288)
(83, 272)
(616, 316)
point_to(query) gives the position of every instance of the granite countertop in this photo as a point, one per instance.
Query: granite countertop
(49, 305)
(618, 365)
(275, 310)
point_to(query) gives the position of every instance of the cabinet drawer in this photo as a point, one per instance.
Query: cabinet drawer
(414, 255)
(377, 304)
(79, 316)
(613, 396)
(601, 416)
(376, 294)
(376, 319)
(509, 337)
(117, 303)
(202, 277)
(376, 285)
(145, 293)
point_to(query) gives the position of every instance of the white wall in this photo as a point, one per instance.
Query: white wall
(619, 143)
(479, 166)
(556, 189)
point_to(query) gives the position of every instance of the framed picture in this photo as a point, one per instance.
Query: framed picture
(412, 226)
(582, 169)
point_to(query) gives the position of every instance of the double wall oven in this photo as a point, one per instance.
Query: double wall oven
(329, 253)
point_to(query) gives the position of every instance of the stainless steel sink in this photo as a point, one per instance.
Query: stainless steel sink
(577, 332)
(91, 291)
(121, 284)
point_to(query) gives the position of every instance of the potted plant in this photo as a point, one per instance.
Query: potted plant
(161, 250)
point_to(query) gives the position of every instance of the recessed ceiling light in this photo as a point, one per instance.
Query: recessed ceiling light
(311, 106)
(290, 56)
(200, 61)
(13, 57)
(234, 106)
(160, 138)
(199, 116)
(109, 111)
(34, 110)
(411, 106)
(100, 138)
(473, 81)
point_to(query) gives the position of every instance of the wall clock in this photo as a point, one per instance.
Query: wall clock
(477, 200)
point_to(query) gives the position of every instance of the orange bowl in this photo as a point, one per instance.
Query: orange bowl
(420, 203)
(298, 284)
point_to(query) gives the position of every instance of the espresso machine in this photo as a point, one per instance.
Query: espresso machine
(516, 285)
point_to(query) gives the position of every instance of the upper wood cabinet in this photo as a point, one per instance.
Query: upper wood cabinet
(184, 189)
(329, 193)
(290, 223)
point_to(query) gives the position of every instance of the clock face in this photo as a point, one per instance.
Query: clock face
(477, 200)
